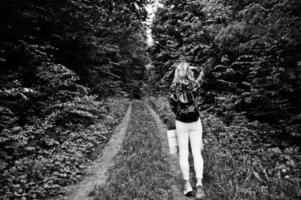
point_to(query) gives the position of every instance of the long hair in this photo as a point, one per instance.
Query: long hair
(183, 73)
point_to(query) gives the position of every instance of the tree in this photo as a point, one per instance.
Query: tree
(249, 50)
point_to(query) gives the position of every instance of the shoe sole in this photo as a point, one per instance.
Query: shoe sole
(188, 194)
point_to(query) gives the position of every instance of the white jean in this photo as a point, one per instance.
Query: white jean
(193, 132)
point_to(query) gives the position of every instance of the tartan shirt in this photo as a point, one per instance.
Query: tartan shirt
(182, 101)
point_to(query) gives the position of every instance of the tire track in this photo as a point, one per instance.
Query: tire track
(97, 172)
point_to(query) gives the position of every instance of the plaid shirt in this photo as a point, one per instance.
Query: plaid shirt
(182, 102)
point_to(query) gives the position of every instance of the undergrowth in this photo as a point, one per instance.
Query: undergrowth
(239, 162)
(51, 153)
(141, 170)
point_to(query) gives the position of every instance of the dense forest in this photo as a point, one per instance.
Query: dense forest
(250, 52)
(68, 69)
(59, 60)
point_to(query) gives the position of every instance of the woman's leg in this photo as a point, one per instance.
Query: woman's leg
(195, 135)
(182, 134)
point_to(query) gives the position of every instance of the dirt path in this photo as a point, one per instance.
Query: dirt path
(115, 158)
(97, 172)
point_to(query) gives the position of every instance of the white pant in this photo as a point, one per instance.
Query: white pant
(194, 132)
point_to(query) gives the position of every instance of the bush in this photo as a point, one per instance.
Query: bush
(49, 131)
(42, 158)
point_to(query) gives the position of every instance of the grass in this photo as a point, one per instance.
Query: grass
(237, 166)
(141, 170)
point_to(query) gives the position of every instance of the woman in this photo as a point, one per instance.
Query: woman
(188, 125)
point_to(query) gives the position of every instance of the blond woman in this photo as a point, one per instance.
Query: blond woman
(183, 92)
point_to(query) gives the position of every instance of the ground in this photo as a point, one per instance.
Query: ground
(143, 167)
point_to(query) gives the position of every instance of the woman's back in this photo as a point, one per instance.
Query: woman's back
(182, 101)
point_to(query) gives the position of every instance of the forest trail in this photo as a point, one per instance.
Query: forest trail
(139, 116)
(68, 71)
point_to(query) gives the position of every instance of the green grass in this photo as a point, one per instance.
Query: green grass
(141, 170)
(237, 165)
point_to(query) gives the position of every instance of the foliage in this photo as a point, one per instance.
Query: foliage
(51, 125)
(101, 41)
(250, 51)
(51, 153)
(60, 60)
(242, 160)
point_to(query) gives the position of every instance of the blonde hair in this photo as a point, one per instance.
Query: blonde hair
(183, 73)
